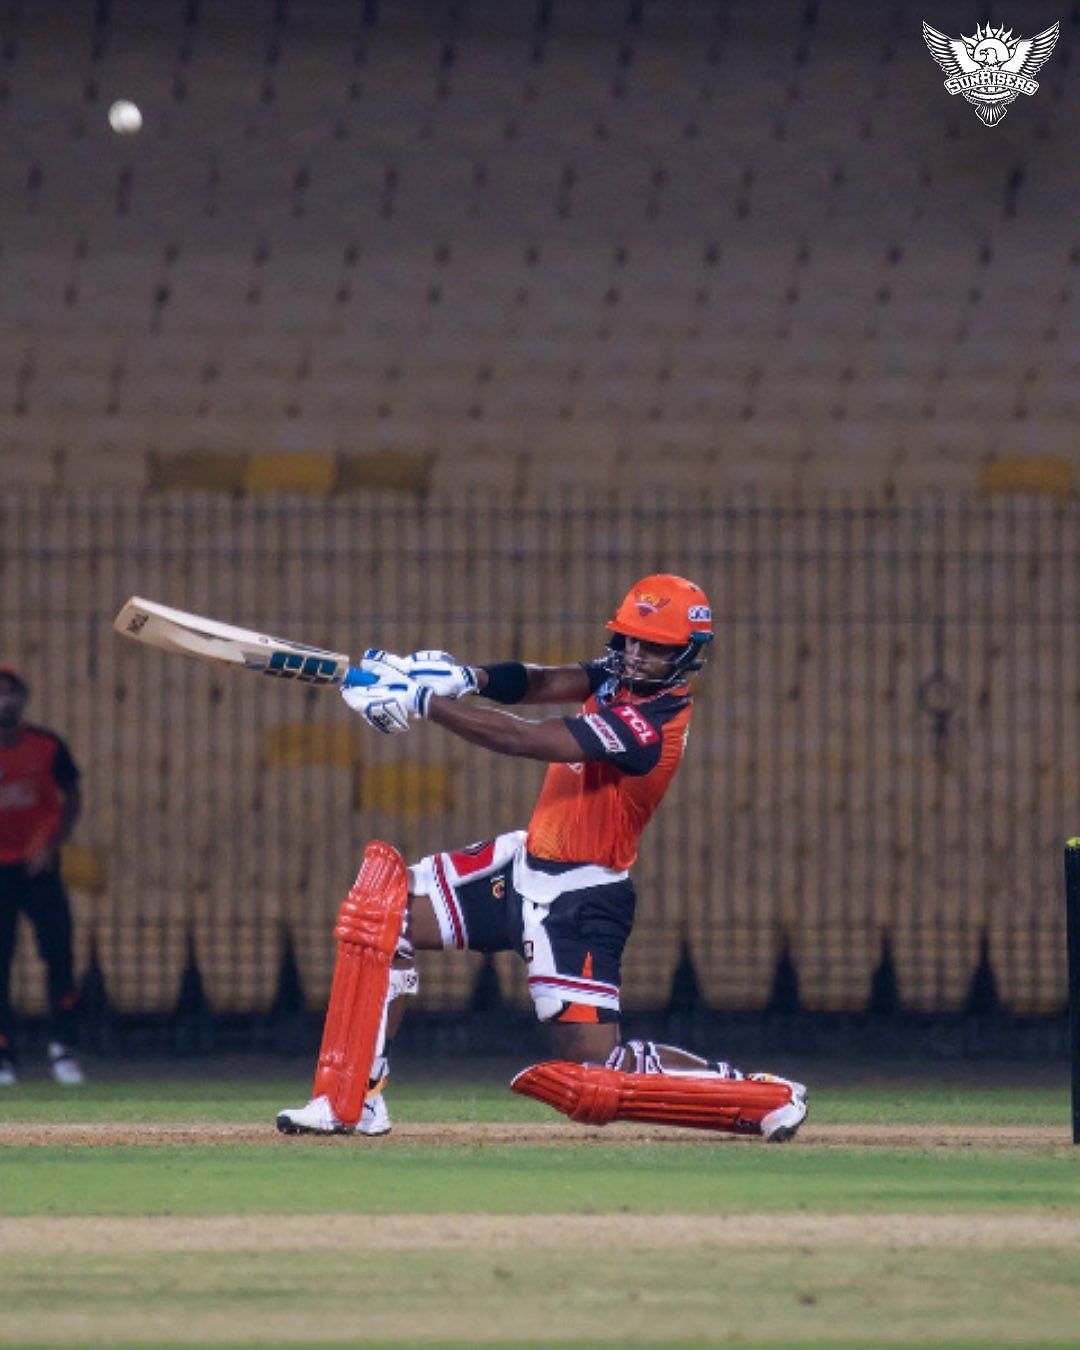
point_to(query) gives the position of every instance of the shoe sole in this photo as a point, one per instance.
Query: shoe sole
(287, 1126)
(785, 1133)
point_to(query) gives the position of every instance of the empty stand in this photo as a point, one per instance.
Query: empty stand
(357, 227)
(421, 324)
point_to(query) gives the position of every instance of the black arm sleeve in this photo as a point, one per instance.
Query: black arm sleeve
(597, 674)
(65, 771)
(507, 682)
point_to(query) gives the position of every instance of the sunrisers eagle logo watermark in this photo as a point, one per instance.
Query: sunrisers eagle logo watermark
(992, 67)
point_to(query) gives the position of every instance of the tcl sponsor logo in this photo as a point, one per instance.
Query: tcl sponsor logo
(644, 732)
(605, 734)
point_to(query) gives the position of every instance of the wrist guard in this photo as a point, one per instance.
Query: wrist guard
(507, 682)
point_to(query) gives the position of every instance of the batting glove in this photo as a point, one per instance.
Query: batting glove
(439, 672)
(389, 701)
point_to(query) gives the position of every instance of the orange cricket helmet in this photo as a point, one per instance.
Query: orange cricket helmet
(668, 610)
(665, 609)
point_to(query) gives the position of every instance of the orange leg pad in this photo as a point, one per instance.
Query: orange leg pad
(593, 1095)
(368, 928)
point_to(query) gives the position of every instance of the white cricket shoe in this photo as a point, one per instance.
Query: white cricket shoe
(375, 1118)
(315, 1118)
(64, 1067)
(782, 1124)
(318, 1118)
(8, 1076)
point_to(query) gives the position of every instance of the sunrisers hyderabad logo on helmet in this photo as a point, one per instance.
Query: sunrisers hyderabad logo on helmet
(646, 602)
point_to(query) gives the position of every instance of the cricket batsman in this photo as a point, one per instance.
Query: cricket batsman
(559, 893)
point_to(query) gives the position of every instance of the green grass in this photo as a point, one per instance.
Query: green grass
(603, 1298)
(720, 1336)
(194, 1100)
(354, 1176)
(796, 1296)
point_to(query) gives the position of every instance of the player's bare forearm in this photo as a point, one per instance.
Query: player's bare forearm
(548, 684)
(548, 740)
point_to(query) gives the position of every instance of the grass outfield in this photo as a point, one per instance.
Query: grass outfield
(674, 1239)
(218, 1099)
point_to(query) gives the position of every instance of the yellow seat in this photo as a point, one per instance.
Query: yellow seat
(1048, 475)
(411, 789)
(83, 868)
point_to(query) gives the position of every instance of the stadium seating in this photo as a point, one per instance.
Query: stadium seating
(375, 280)
(823, 809)
(641, 230)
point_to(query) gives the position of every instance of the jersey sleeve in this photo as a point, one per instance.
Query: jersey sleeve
(65, 771)
(597, 674)
(624, 736)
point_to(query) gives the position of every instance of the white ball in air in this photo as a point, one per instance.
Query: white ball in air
(125, 118)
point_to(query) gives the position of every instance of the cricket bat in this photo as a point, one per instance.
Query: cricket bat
(174, 630)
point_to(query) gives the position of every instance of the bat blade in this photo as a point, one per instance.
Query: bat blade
(175, 630)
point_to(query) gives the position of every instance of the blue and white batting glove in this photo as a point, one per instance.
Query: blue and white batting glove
(389, 702)
(439, 672)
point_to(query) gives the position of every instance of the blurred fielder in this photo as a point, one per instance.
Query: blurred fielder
(559, 893)
(39, 805)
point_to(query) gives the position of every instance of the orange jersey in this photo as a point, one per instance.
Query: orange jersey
(33, 776)
(595, 811)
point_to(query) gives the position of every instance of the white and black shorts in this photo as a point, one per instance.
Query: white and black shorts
(568, 921)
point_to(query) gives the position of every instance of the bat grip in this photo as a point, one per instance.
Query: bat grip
(355, 677)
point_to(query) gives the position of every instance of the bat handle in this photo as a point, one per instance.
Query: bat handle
(356, 677)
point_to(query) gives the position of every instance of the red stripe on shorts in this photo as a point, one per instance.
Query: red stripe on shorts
(474, 859)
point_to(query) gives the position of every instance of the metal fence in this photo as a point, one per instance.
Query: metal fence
(885, 749)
